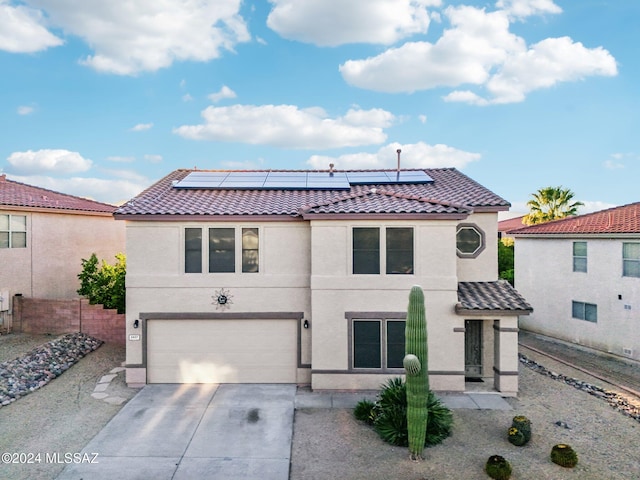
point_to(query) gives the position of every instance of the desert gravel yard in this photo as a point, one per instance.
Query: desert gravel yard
(60, 417)
(330, 444)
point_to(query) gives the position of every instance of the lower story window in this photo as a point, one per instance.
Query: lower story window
(584, 311)
(377, 343)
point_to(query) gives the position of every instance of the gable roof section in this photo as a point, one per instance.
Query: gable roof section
(20, 196)
(451, 192)
(481, 298)
(380, 202)
(617, 220)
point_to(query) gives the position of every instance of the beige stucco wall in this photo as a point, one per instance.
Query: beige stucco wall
(306, 267)
(156, 281)
(484, 267)
(545, 276)
(335, 290)
(56, 244)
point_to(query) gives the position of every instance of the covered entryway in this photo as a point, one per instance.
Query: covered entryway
(222, 350)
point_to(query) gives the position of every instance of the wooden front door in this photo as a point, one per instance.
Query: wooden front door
(473, 349)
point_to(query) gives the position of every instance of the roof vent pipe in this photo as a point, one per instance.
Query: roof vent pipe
(398, 152)
(331, 165)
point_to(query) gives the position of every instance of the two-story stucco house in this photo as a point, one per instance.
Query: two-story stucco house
(303, 277)
(44, 235)
(582, 276)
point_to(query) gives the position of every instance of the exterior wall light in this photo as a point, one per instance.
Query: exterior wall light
(306, 324)
(136, 323)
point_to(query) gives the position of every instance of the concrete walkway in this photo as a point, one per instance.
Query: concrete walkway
(182, 432)
(239, 432)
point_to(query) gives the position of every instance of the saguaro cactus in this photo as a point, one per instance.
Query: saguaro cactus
(416, 366)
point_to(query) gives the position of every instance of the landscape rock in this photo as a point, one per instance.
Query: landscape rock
(34, 370)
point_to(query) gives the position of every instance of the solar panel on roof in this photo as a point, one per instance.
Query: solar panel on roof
(296, 180)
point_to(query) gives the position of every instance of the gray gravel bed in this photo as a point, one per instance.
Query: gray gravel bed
(33, 370)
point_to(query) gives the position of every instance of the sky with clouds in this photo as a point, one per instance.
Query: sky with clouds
(101, 99)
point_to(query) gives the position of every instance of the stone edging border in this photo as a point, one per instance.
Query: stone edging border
(615, 400)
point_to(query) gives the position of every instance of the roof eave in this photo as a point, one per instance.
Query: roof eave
(141, 217)
(384, 216)
(54, 210)
(568, 235)
(476, 312)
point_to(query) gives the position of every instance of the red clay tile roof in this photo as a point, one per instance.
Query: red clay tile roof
(617, 220)
(510, 224)
(450, 192)
(490, 297)
(21, 195)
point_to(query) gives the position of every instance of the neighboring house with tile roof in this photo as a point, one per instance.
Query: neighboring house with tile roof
(44, 235)
(304, 276)
(582, 276)
(509, 224)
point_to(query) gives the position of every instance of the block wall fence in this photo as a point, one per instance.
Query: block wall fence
(57, 317)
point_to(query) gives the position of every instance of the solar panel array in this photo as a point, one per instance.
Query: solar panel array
(292, 180)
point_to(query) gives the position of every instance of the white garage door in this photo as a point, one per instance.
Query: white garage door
(221, 351)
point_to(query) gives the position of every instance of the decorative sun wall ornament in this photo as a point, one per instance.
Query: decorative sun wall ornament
(222, 299)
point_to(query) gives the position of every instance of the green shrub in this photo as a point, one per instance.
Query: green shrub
(364, 411)
(498, 468)
(389, 415)
(104, 284)
(523, 424)
(516, 437)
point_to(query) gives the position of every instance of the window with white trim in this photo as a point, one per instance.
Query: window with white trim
(13, 231)
(631, 260)
(470, 241)
(580, 256)
(584, 311)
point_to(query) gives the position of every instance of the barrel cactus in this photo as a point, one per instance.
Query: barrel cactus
(417, 372)
(516, 437)
(498, 468)
(523, 424)
(563, 455)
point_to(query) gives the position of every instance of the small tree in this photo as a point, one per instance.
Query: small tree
(104, 283)
(505, 260)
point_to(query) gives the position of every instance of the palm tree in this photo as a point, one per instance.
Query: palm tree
(550, 203)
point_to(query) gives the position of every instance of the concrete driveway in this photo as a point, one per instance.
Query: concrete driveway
(182, 432)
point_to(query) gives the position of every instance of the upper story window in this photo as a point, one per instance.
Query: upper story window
(469, 241)
(579, 256)
(221, 252)
(396, 243)
(13, 231)
(631, 260)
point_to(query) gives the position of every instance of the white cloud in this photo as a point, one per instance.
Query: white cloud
(525, 8)
(99, 189)
(153, 158)
(416, 155)
(612, 165)
(119, 159)
(594, 206)
(25, 110)
(142, 127)
(479, 50)
(422, 118)
(224, 92)
(287, 126)
(187, 97)
(336, 22)
(146, 35)
(23, 30)
(42, 161)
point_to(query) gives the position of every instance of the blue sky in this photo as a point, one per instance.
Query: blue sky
(99, 100)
